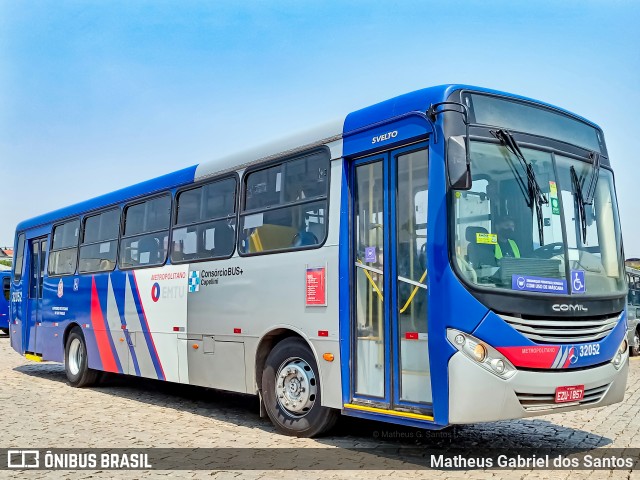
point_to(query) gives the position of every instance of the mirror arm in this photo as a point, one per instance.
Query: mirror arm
(435, 110)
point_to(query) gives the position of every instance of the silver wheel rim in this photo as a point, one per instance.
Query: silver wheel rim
(636, 342)
(296, 387)
(76, 355)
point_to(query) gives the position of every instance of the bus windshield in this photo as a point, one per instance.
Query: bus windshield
(500, 243)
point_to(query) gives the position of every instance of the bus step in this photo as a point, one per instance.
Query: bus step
(32, 357)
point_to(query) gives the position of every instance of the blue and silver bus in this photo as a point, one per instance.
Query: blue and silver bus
(448, 256)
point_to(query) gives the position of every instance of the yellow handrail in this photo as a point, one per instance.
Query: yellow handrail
(413, 293)
(255, 239)
(375, 287)
(373, 284)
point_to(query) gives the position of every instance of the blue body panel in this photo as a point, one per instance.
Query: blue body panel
(497, 333)
(391, 124)
(76, 302)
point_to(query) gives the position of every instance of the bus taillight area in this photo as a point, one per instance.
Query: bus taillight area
(488, 383)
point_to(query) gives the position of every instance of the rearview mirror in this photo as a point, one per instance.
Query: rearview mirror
(458, 165)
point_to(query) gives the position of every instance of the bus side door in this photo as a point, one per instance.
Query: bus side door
(36, 264)
(389, 292)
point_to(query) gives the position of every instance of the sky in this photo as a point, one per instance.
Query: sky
(98, 95)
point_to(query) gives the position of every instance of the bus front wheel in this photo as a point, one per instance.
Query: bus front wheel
(76, 363)
(291, 390)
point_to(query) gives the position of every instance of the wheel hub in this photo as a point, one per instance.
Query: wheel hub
(296, 387)
(76, 355)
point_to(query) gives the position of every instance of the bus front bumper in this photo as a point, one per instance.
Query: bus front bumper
(477, 395)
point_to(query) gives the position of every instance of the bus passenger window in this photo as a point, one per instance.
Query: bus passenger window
(205, 226)
(64, 249)
(99, 242)
(286, 205)
(146, 233)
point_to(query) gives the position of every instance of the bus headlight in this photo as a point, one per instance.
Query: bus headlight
(621, 355)
(498, 366)
(480, 352)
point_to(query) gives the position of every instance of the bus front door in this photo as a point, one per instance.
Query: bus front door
(390, 359)
(36, 267)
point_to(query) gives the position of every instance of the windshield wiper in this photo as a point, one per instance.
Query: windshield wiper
(595, 174)
(580, 203)
(581, 200)
(536, 197)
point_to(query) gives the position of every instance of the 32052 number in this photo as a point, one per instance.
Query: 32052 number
(589, 350)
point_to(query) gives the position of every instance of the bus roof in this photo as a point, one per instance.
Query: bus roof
(419, 100)
(157, 184)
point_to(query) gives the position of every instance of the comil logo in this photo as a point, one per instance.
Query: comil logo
(565, 307)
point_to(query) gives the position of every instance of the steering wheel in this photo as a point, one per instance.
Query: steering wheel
(550, 250)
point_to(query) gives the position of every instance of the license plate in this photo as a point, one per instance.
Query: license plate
(574, 393)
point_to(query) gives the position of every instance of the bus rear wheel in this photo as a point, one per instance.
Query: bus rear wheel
(291, 391)
(76, 364)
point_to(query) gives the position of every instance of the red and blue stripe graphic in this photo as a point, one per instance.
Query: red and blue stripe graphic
(541, 356)
(118, 284)
(106, 349)
(145, 327)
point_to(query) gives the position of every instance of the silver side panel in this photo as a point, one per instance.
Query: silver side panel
(329, 134)
(476, 395)
(270, 293)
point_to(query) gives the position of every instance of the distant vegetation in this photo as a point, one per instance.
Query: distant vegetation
(6, 263)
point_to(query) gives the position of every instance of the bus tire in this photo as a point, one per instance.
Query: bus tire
(291, 390)
(635, 346)
(76, 364)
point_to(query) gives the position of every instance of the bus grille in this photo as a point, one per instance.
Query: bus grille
(563, 330)
(533, 402)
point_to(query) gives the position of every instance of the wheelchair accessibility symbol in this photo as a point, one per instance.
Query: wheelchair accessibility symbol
(577, 281)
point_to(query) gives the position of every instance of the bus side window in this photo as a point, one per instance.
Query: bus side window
(205, 223)
(99, 242)
(286, 205)
(63, 257)
(146, 233)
